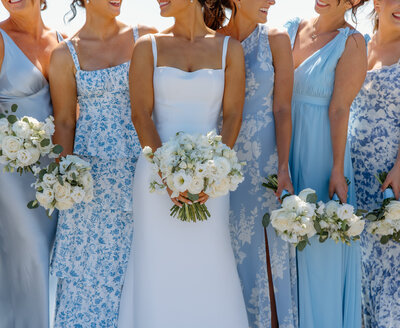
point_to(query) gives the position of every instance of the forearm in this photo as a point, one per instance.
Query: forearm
(64, 136)
(339, 119)
(283, 134)
(231, 128)
(147, 132)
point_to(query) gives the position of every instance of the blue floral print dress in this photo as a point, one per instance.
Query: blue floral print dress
(375, 138)
(93, 240)
(256, 145)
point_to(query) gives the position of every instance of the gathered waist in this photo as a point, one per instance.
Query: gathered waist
(314, 100)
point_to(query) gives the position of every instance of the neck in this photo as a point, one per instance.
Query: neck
(387, 34)
(328, 23)
(31, 23)
(190, 24)
(99, 26)
(240, 27)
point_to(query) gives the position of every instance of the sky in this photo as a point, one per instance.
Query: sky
(146, 12)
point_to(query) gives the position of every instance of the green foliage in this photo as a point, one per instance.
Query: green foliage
(266, 220)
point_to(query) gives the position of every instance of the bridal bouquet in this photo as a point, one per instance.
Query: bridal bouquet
(331, 220)
(194, 163)
(61, 185)
(385, 221)
(23, 141)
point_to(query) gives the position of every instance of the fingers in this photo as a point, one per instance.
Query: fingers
(386, 183)
(183, 199)
(175, 201)
(203, 197)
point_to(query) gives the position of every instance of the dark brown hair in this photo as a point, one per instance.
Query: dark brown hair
(354, 8)
(43, 4)
(73, 6)
(214, 13)
(375, 19)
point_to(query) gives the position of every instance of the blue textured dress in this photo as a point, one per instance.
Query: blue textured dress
(329, 274)
(375, 137)
(26, 236)
(93, 240)
(256, 145)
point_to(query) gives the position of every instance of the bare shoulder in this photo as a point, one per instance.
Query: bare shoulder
(278, 38)
(143, 49)
(143, 30)
(234, 47)
(356, 42)
(61, 57)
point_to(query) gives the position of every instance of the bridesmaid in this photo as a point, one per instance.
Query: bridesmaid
(26, 236)
(331, 62)
(93, 240)
(375, 138)
(269, 85)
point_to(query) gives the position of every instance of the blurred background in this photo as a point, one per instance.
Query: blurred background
(146, 12)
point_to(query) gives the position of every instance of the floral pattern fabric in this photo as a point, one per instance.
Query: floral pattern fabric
(93, 240)
(375, 137)
(256, 145)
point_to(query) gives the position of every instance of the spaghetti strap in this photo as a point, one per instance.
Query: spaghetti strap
(154, 48)
(73, 54)
(135, 33)
(59, 37)
(225, 51)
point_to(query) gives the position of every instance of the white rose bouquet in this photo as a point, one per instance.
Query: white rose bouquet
(294, 221)
(194, 164)
(24, 141)
(61, 185)
(338, 222)
(385, 221)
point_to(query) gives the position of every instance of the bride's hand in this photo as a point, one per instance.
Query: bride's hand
(203, 197)
(182, 198)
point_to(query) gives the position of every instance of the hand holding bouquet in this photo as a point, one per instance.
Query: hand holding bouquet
(385, 221)
(194, 164)
(24, 141)
(61, 185)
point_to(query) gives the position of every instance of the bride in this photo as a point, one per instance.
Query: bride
(184, 273)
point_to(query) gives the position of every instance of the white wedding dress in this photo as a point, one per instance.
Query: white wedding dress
(184, 274)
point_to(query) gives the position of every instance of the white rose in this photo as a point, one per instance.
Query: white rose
(45, 198)
(28, 156)
(220, 189)
(321, 208)
(282, 220)
(78, 194)
(196, 186)
(181, 181)
(48, 126)
(306, 209)
(223, 166)
(11, 146)
(4, 126)
(86, 179)
(49, 179)
(292, 203)
(356, 228)
(33, 122)
(22, 129)
(305, 193)
(65, 204)
(235, 181)
(331, 208)
(61, 192)
(393, 211)
(345, 212)
(72, 175)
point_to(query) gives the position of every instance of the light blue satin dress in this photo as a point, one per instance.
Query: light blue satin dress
(329, 274)
(26, 236)
(256, 145)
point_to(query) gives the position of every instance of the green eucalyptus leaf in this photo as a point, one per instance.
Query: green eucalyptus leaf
(301, 245)
(385, 239)
(12, 119)
(57, 149)
(33, 204)
(312, 198)
(45, 142)
(14, 108)
(52, 167)
(266, 220)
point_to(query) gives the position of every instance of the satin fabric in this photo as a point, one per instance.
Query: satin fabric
(26, 236)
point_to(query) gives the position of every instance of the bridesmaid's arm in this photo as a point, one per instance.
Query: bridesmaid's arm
(142, 93)
(350, 75)
(393, 178)
(64, 97)
(283, 90)
(234, 93)
(1, 50)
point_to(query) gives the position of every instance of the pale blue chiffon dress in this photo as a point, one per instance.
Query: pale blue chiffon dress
(329, 274)
(26, 236)
(256, 145)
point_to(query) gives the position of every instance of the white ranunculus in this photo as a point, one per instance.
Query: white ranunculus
(4, 126)
(305, 193)
(393, 211)
(62, 192)
(45, 198)
(223, 166)
(292, 203)
(182, 181)
(332, 208)
(356, 228)
(345, 211)
(196, 186)
(22, 129)
(28, 157)
(11, 146)
(49, 179)
(78, 194)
